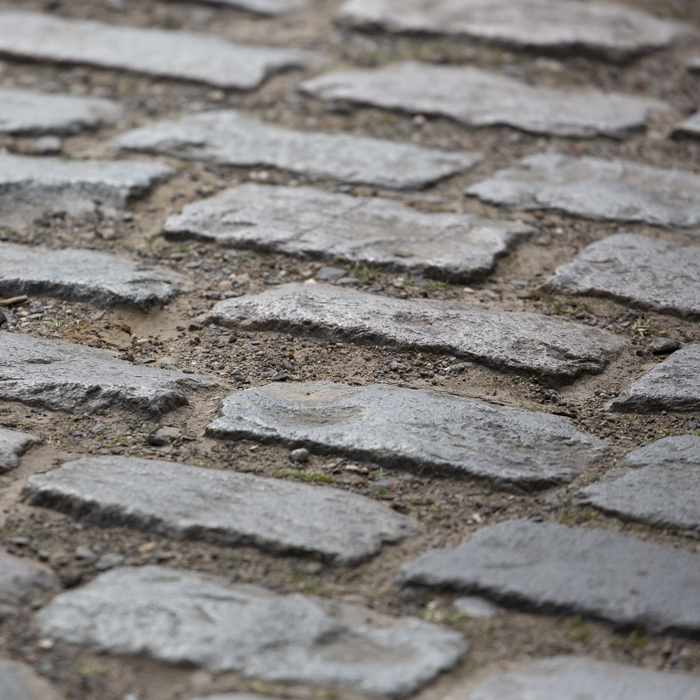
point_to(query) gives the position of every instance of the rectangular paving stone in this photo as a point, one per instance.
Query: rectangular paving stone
(638, 271)
(658, 484)
(613, 190)
(79, 379)
(480, 98)
(80, 275)
(19, 681)
(159, 52)
(294, 220)
(689, 126)
(409, 429)
(517, 342)
(12, 446)
(552, 568)
(230, 138)
(33, 113)
(600, 29)
(673, 385)
(225, 507)
(22, 580)
(28, 183)
(576, 678)
(190, 618)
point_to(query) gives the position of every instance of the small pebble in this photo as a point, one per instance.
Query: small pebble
(473, 606)
(300, 456)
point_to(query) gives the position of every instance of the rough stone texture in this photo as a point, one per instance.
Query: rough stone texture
(164, 53)
(75, 378)
(557, 569)
(100, 278)
(576, 678)
(228, 137)
(673, 385)
(22, 580)
(33, 114)
(224, 507)
(484, 98)
(406, 428)
(601, 29)
(268, 8)
(20, 682)
(12, 446)
(659, 484)
(339, 227)
(689, 126)
(640, 272)
(75, 185)
(615, 190)
(183, 617)
(521, 342)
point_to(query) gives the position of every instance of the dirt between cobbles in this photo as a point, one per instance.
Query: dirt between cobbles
(450, 507)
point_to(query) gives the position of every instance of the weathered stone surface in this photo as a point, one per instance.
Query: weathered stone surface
(12, 446)
(20, 682)
(694, 65)
(689, 126)
(557, 569)
(75, 378)
(220, 506)
(659, 484)
(32, 114)
(269, 8)
(601, 29)
(231, 138)
(405, 428)
(164, 53)
(22, 580)
(641, 272)
(306, 220)
(483, 98)
(575, 678)
(615, 190)
(182, 617)
(74, 185)
(673, 385)
(520, 342)
(100, 278)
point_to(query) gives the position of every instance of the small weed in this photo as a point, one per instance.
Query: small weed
(577, 629)
(435, 285)
(644, 327)
(363, 272)
(116, 441)
(636, 640)
(304, 476)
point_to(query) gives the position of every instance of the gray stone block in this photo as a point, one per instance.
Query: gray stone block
(518, 342)
(12, 446)
(484, 98)
(673, 385)
(22, 580)
(640, 272)
(80, 275)
(576, 678)
(33, 114)
(689, 126)
(160, 52)
(230, 138)
(78, 379)
(659, 484)
(225, 507)
(186, 617)
(613, 190)
(419, 429)
(694, 65)
(20, 682)
(347, 229)
(74, 185)
(600, 29)
(552, 568)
